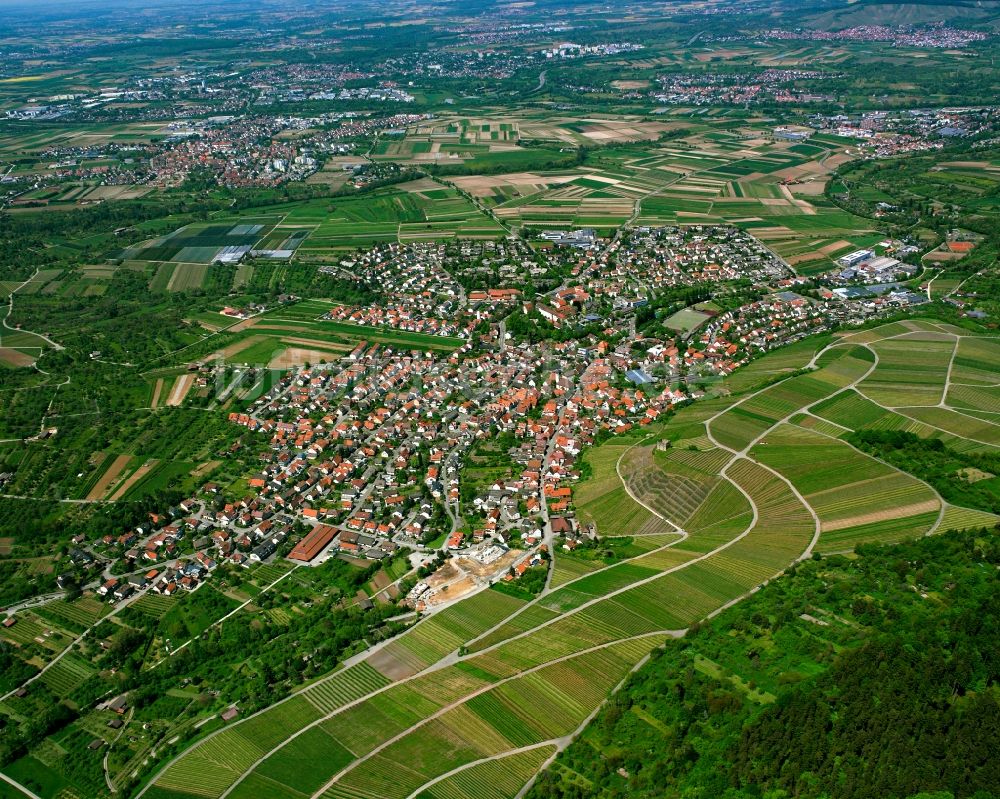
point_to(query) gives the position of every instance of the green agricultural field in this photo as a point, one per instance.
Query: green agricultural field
(154, 605)
(299, 328)
(911, 370)
(604, 502)
(848, 490)
(976, 361)
(66, 675)
(704, 178)
(347, 223)
(493, 779)
(77, 615)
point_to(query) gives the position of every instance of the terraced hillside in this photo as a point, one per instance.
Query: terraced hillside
(475, 699)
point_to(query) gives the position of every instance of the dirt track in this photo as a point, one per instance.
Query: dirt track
(156, 392)
(180, 390)
(108, 478)
(134, 478)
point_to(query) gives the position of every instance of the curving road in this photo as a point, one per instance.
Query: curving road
(10, 310)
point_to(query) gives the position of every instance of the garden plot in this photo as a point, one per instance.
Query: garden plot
(77, 615)
(66, 675)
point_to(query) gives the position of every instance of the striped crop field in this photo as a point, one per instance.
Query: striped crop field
(344, 687)
(849, 409)
(665, 484)
(668, 558)
(77, 615)
(892, 420)
(708, 526)
(747, 421)
(602, 500)
(823, 426)
(958, 424)
(596, 585)
(776, 364)
(66, 675)
(531, 617)
(497, 778)
(444, 633)
(31, 629)
(255, 737)
(708, 461)
(843, 365)
(956, 518)
(529, 709)
(911, 371)
(886, 531)
(854, 504)
(738, 427)
(976, 398)
(155, 605)
(876, 333)
(815, 463)
(566, 568)
(359, 730)
(977, 361)
(848, 490)
(784, 525)
(267, 573)
(212, 766)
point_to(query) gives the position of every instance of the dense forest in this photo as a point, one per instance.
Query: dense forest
(851, 678)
